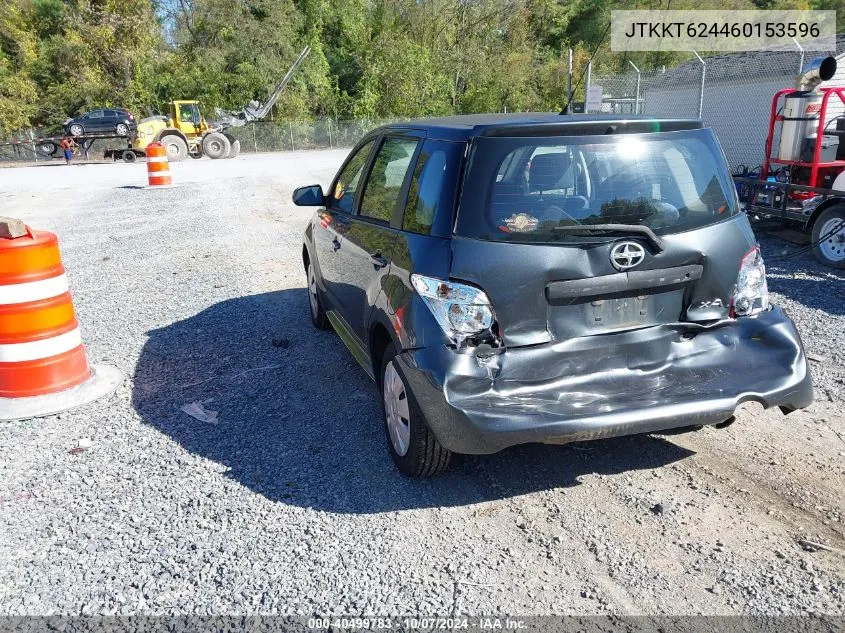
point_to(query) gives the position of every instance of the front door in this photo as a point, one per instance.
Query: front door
(368, 244)
(335, 222)
(189, 118)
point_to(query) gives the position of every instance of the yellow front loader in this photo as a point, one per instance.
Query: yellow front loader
(185, 132)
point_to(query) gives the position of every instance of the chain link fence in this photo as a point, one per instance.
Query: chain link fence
(732, 93)
(270, 136)
(262, 136)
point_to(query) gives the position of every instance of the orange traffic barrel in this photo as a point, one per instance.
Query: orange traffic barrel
(158, 169)
(41, 351)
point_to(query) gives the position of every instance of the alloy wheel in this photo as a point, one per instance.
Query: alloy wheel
(312, 292)
(396, 410)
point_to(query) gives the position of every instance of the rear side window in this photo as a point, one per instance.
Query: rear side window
(112, 114)
(384, 184)
(431, 196)
(670, 182)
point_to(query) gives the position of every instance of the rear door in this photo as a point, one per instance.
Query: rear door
(113, 117)
(367, 242)
(96, 121)
(522, 197)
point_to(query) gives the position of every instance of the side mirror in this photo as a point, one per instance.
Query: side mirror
(310, 196)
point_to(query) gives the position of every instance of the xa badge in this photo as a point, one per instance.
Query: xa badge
(626, 255)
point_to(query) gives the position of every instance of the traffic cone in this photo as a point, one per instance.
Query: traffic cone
(158, 169)
(43, 368)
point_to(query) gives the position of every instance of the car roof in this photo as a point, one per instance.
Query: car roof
(105, 109)
(466, 126)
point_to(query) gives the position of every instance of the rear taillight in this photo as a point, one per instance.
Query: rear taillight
(752, 292)
(462, 311)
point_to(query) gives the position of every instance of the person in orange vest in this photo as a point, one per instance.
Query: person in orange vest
(67, 144)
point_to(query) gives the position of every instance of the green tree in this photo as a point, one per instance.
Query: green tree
(18, 93)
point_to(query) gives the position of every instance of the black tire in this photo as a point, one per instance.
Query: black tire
(76, 130)
(128, 156)
(48, 148)
(236, 146)
(216, 145)
(831, 251)
(121, 129)
(424, 456)
(315, 304)
(177, 148)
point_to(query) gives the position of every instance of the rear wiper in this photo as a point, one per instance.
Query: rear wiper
(613, 228)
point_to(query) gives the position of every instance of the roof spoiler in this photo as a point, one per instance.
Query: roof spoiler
(579, 127)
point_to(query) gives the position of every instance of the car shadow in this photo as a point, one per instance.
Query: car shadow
(299, 421)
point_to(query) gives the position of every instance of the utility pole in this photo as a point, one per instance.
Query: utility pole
(569, 84)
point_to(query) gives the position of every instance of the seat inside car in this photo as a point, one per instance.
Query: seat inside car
(547, 171)
(555, 172)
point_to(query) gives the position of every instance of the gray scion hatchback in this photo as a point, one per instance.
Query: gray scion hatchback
(546, 278)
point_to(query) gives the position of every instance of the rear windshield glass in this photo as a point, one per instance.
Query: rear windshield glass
(533, 187)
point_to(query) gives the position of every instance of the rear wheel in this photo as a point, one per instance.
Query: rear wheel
(48, 148)
(121, 129)
(318, 314)
(216, 145)
(177, 148)
(829, 237)
(128, 156)
(413, 447)
(236, 146)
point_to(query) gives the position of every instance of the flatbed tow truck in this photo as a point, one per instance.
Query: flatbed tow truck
(47, 147)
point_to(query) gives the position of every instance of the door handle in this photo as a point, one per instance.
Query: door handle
(335, 244)
(378, 260)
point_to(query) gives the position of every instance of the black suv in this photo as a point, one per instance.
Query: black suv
(114, 120)
(545, 278)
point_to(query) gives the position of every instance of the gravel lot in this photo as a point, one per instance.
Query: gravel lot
(290, 503)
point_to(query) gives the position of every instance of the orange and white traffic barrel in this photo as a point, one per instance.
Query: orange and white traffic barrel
(158, 169)
(43, 368)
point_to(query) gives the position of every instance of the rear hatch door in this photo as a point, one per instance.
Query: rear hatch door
(524, 236)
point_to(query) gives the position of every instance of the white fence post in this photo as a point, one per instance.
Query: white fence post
(701, 88)
(801, 59)
(637, 94)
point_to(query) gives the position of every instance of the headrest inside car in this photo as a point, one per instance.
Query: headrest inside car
(547, 170)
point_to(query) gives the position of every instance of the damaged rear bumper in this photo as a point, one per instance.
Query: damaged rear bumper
(640, 381)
